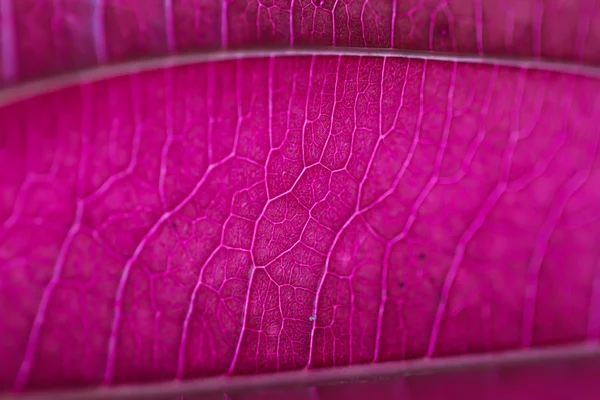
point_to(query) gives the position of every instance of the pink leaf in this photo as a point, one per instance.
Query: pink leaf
(210, 218)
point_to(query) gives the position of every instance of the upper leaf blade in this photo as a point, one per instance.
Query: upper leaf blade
(45, 38)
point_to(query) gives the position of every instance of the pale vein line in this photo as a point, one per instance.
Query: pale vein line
(238, 346)
(270, 98)
(536, 262)
(190, 310)
(509, 26)
(335, 104)
(112, 345)
(384, 272)
(358, 245)
(169, 26)
(479, 137)
(189, 313)
(337, 236)
(36, 329)
(333, 37)
(477, 222)
(538, 20)
(224, 27)
(169, 123)
(292, 35)
(439, 156)
(479, 25)
(362, 25)
(358, 212)
(475, 225)
(393, 28)
(306, 119)
(38, 322)
(210, 108)
(539, 252)
(99, 31)
(109, 370)
(583, 26)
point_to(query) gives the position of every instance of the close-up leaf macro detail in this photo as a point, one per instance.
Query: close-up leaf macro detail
(314, 199)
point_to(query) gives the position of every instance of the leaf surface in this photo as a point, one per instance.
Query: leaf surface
(243, 215)
(260, 215)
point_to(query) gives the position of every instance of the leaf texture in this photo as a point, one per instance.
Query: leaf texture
(257, 215)
(285, 212)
